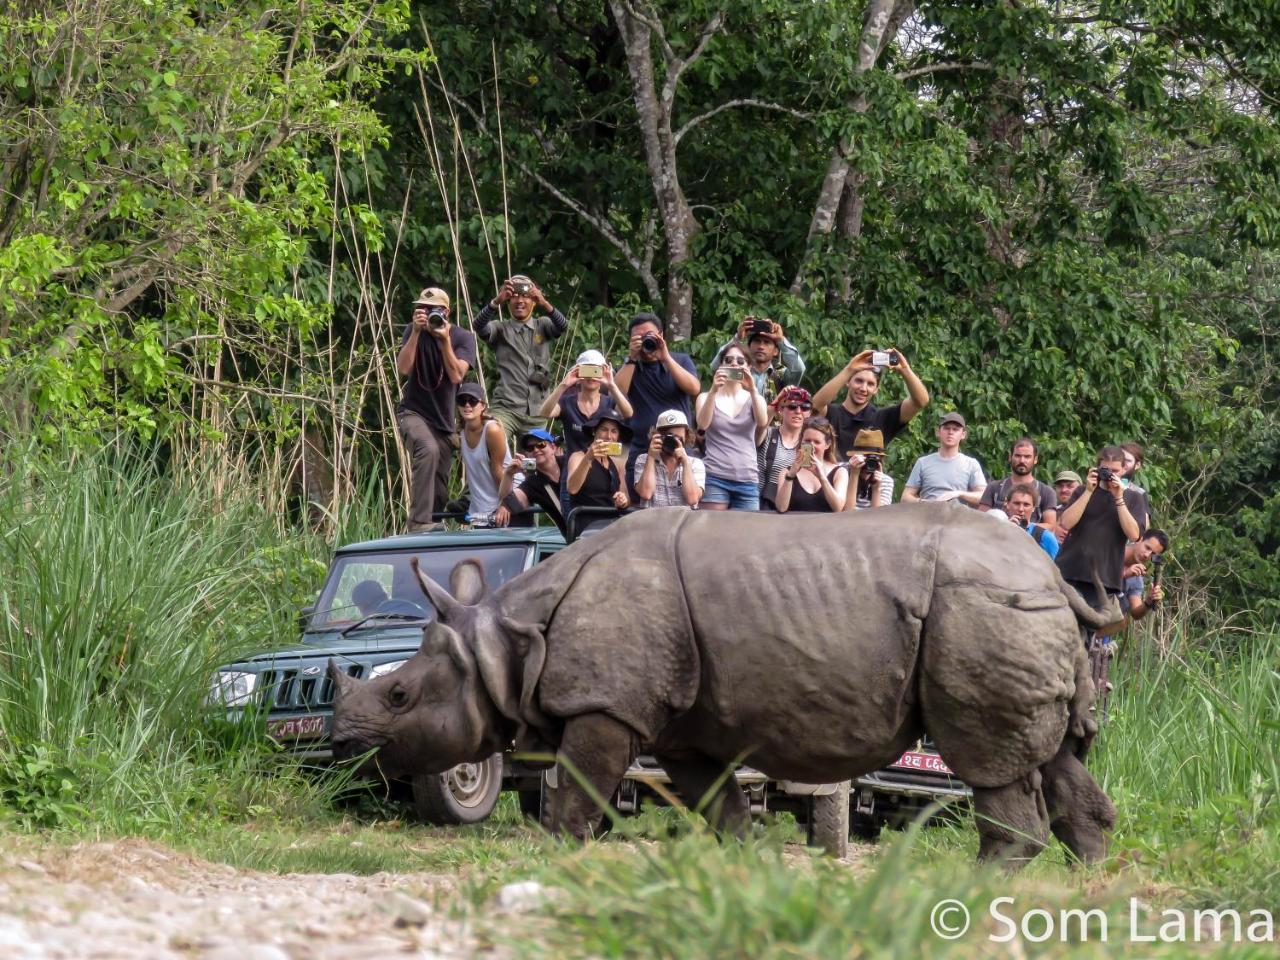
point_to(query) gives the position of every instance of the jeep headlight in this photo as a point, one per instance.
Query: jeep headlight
(232, 688)
(383, 669)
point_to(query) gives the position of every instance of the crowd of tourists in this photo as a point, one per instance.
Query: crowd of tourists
(645, 434)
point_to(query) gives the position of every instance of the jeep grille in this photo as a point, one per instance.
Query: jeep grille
(290, 690)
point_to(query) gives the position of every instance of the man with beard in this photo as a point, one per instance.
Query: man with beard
(857, 412)
(1023, 457)
(775, 362)
(521, 352)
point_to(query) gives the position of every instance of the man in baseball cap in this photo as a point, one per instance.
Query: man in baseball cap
(774, 361)
(947, 474)
(434, 358)
(521, 350)
(666, 475)
(532, 479)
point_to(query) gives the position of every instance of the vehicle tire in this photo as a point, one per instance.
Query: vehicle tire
(465, 794)
(829, 821)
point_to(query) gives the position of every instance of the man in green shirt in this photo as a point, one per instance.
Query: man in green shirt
(521, 352)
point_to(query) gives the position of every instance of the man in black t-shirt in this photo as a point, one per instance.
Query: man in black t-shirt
(1023, 457)
(540, 487)
(1101, 518)
(857, 412)
(434, 358)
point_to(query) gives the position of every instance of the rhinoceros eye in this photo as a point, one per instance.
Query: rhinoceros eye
(398, 697)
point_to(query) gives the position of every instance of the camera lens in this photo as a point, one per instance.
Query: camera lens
(649, 343)
(668, 444)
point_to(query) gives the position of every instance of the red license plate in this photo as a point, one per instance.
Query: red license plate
(296, 728)
(929, 762)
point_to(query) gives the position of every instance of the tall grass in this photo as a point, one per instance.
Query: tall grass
(123, 590)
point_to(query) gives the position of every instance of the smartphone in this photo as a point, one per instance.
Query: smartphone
(735, 373)
(613, 449)
(806, 454)
(590, 371)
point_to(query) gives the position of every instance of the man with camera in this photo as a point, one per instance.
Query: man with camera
(666, 475)
(1023, 457)
(520, 350)
(653, 379)
(775, 362)
(532, 479)
(1135, 599)
(1020, 507)
(870, 486)
(862, 377)
(434, 358)
(1102, 517)
(947, 474)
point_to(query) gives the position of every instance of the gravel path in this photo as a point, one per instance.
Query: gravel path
(140, 900)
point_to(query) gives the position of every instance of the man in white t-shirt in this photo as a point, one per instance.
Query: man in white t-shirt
(947, 474)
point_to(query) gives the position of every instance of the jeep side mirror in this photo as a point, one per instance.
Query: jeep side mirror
(304, 614)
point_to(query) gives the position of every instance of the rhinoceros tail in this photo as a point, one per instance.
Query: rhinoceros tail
(1085, 614)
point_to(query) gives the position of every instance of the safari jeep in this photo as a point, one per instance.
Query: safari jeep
(369, 617)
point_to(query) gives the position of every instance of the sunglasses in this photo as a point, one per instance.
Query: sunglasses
(797, 406)
(535, 447)
(733, 362)
(468, 401)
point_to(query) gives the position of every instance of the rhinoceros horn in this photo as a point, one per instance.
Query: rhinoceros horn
(447, 607)
(341, 679)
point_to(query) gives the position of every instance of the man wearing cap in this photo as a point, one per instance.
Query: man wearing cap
(666, 475)
(872, 486)
(857, 412)
(1065, 484)
(947, 474)
(434, 358)
(521, 352)
(522, 488)
(1023, 457)
(775, 362)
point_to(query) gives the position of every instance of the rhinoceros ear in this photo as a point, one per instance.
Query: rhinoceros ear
(438, 638)
(447, 607)
(466, 582)
(341, 679)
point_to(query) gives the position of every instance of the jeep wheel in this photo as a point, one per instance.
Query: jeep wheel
(466, 794)
(829, 821)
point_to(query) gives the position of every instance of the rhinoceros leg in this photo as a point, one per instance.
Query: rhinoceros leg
(1012, 821)
(1080, 814)
(595, 750)
(703, 781)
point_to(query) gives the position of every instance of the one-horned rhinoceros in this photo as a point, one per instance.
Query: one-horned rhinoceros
(818, 648)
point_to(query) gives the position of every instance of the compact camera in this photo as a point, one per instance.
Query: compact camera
(884, 358)
(528, 464)
(1105, 475)
(650, 344)
(872, 461)
(761, 326)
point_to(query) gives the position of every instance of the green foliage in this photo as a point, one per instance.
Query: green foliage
(39, 787)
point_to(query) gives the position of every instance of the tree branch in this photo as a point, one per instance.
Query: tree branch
(655, 25)
(936, 67)
(676, 68)
(746, 102)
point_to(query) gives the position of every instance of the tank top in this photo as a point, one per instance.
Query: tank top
(731, 445)
(484, 491)
(598, 488)
(802, 501)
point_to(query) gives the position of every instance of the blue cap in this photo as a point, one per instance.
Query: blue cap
(540, 434)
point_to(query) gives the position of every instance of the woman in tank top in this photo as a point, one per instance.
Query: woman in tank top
(815, 483)
(781, 443)
(484, 453)
(733, 416)
(594, 477)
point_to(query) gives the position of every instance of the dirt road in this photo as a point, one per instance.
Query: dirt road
(138, 900)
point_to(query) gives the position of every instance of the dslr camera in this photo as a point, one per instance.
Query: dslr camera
(669, 443)
(521, 287)
(1105, 474)
(872, 461)
(436, 318)
(649, 343)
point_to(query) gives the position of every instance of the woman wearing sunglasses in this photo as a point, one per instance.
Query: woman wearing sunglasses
(484, 453)
(815, 482)
(734, 417)
(781, 441)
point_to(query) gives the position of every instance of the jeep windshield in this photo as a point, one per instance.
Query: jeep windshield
(380, 587)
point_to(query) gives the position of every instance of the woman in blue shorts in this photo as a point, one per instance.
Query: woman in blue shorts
(734, 417)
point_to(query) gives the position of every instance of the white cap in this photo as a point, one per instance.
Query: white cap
(671, 418)
(592, 356)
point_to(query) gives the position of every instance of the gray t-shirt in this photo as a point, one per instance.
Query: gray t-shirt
(933, 475)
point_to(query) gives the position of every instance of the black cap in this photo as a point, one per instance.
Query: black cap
(473, 390)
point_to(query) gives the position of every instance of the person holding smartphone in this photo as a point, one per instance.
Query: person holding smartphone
(816, 482)
(733, 417)
(596, 474)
